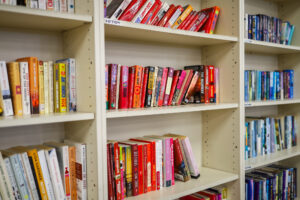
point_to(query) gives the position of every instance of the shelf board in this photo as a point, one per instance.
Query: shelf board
(208, 178)
(168, 110)
(271, 103)
(269, 48)
(23, 17)
(261, 161)
(37, 119)
(133, 31)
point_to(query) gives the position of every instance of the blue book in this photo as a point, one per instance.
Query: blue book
(291, 34)
(271, 86)
(274, 86)
(278, 87)
(258, 84)
(257, 26)
(254, 27)
(246, 86)
(253, 84)
(250, 26)
(268, 135)
(291, 84)
(250, 184)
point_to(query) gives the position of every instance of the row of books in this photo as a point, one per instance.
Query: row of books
(54, 171)
(139, 87)
(272, 182)
(157, 13)
(268, 135)
(54, 5)
(31, 86)
(268, 29)
(269, 85)
(140, 165)
(216, 193)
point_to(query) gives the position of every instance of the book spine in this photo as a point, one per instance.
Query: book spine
(163, 87)
(63, 7)
(12, 179)
(46, 86)
(191, 21)
(131, 10)
(128, 178)
(140, 170)
(62, 88)
(173, 87)
(144, 87)
(190, 158)
(217, 86)
(131, 87)
(5, 91)
(178, 87)
(123, 94)
(15, 86)
(187, 20)
(118, 87)
(56, 87)
(154, 86)
(153, 166)
(149, 167)
(168, 86)
(206, 83)
(166, 16)
(137, 86)
(72, 166)
(49, 4)
(121, 172)
(5, 180)
(143, 11)
(120, 9)
(172, 161)
(182, 17)
(152, 12)
(113, 68)
(174, 17)
(201, 18)
(50, 85)
(117, 171)
(191, 87)
(42, 4)
(135, 172)
(71, 6)
(24, 75)
(157, 86)
(145, 168)
(72, 96)
(151, 79)
(211, 75)
(82, 160)
(184, 87)
(41, 88)
(106, 87)
(168, 166)
(161, 13)
(158, 160)
(109, 174)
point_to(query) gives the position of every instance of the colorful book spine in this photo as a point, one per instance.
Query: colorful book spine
(144, 87)
(24, 76)
(173, 87)
(41, 88)
(151, 82)
(106, 87)
(46, 87)
(131, 10)
(168, 165)
(112, 85)
(158, 86)
(119, 10)
(160, 14)
(186, 11)
(152, 12)
(172, 20)
(211, 83)
(206, 84)
(5, 96)
(168, 85)
(131, 87)
(178, 87)
(123, 94)
(163, 87)
(137, 86)
(51, 86)
(62, 88)
(143, 11)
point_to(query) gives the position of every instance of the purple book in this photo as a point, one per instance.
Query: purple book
(168, 86)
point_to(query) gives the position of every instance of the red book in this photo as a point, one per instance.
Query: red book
(131, 86)
(123, 89)
(147, 168)
(144, 86)
(178, 10)
(201, 18)
(206, 84)
(192, 87)
(172, 160)
(190, 197)
(109, 174)
(152, 12)
(131, 10)
(137, 86)
(163, 87)
(117, 170)
(186, 20)
(141, 168)
(185, 87)
(192, 21)
(174, 84)
(211, 82)
(207, 194)
(153, 159)
(167, 16)
(210, 25)
(112, 85)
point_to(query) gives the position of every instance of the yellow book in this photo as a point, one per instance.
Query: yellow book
(56, 87)
(15, 86)
(60, 87)
(34, 158)
(41, 88)
(187, 10)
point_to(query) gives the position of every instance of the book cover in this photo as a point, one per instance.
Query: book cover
(41, 88)
(137, 86)
(150, 85)
(149, 17)
(112, 7)
(191, 87)
(112, 85)
(163, 87)
(123, 94)
(144, 87)
(143, 11)
(173, 86)
(120, 10)
(13, 71)
(186, 11)
(178, 87)
(178, 10)
(161, 13)
(168, 85)
(131, 10)
(5, 95)
(185, 85)
(24, 78)
(131, 86)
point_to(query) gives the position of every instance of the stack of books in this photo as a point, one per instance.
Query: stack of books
(216, 193)
(157, 13)
(272, 182)
(139, 87)
(144, 164)
(268, 29)
(50, 171)
(31, 86)
(64, 6)
(269, 85)
(268, 135)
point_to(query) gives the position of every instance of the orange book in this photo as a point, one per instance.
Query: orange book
(33, 82)
(15, 86)
(137, 86)
(72, 167)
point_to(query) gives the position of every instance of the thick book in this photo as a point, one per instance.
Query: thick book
(178, 10)
(123, 94)
(112, 85)
(144, 86)
(72, 166)
(131, 86)
(186, 11)
(163, 87)
(210, 25)
(149, 17)
(25, 90)
(131, 10)
(150, 84)
(160, 14)
(41, 88)
(33, 82)
(157, 86)
(13, 71)
(191, 88)
(137, 86)
(5, 95)
(185, 85)
(168, 86)
(176, 76)
(179, 87)
(198, 22)
(211, 75)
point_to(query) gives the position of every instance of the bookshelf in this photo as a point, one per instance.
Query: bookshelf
(216, 131)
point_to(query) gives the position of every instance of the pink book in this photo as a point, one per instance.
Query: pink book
(178, 87)
(190, 158)
(172, 160)
(163, 87)
(185, 87)
(168, 166)
(168, 85)
(217, 85)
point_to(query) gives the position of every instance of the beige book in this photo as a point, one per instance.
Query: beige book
(41, 88)
(46, 86)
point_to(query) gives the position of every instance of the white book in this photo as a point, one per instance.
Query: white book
(3, 192)
(71, 6)
(268, 135)
(52, 161)
(45, 171)
(50, 85)
(56, 5)
(12, 179)
(120, 10)
(13, 2)
(5, 179)
(24, 74)
(81, 161)
(34, 4)
(42, 4)
(143, 11)
(5, 96)
(246, 26)
(63, 7)
(46, 86)
(258, 137)
(62, 152)
(187, 148)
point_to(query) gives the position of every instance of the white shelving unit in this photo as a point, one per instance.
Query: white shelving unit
(216, 131)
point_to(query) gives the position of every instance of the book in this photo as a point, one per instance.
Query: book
(63, 7)
(5, 95)
(49, 5)
(112, 85)
(154, 90)
(13, 71)
(72, 166)
(5, 184)
(112, 7)
(160, 14)
(178, 10)
(187, 20)
(185, 84)
(116, 165)
(123, 94)
(174, 85)
(209, 26)
(41, 88)
(71, 6)
(131, 10)
(118, 86)
(60, 87)
(51, 86)
(178, 87)
(109, 173)
(150, 84)
(143, 11)
(169, 13)
(168, 85)
(120, 9)
(163, 87)
(191, 89)
(144, 87)
(211, 82)
(158, 85)
(149, 17)
(198, 21)
(25, 90)
(186, 11)
(106, 87)
(137, 86)
(46, 86)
